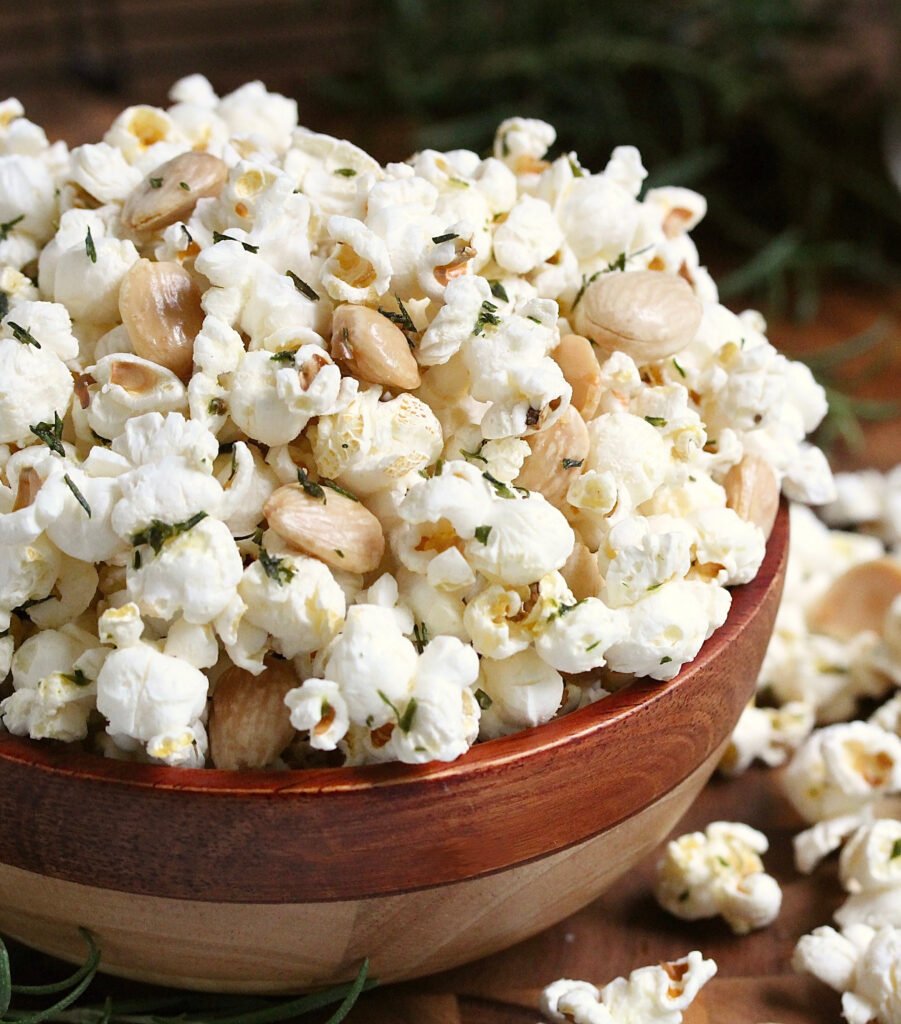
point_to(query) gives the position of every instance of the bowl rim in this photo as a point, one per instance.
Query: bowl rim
(52, 777)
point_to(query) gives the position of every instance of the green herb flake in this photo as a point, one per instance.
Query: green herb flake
(339, 552)
(4, 304)
(401, 319)
(79, 497)
(137, 561)
(723, 861)
(486, 318)
(8, 225)
(896, 849)
(345, 172)
(655, 586)
(420, 636)
(156, 182)
(656, 421)
(482, 699)
(618, 264)
(678, 367)
(339, 489)
(313, 489)
(158, 532)
(477, 454)
(498, 291)
(218, 237)
(577, 171)
(438, 239)
(217, 407)
(78, 678)
(285, 356)
(185, 186)
(665, 660)
(564, 609)
(501, 489)
(405, 722)
(303, 287)
(591, 647)
(572, 463)
(481, 534)
(459, 182)
(275, 568)
(51, 434)
(89, 247)
(534, 319)
(23, 335)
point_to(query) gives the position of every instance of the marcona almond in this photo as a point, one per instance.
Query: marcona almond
(29, 484)
(858, 600)
(556, 457)
(250, 724)
(581, 572)
(582, 371)
(647, 314)
(160, 307)
(336, 529)
(752, 490)
(170, 192)
(372, 348)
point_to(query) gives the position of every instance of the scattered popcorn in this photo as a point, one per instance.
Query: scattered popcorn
(719, 871)
(267, 399)
(650, 995)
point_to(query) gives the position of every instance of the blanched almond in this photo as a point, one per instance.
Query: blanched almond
(369, 346)
(752, 490)
(250, 724)
(647, 314)
(575, 357)
(336, 529)
(170, 192)
(557, 454)
(858, 600)
(160, 307)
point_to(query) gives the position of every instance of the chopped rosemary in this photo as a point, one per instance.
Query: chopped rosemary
(665, 660)
(438, 239)
(486, 318)
(275, 568)
(482, 699)
(896, 849)
(337, 487)
(78, 678)
(4, 304)
(158, 532)
(218, 237)
(481, 534)
(51, 434)
(156, 182)
(591, 647)
(302, 286)
(498, 291)
(476, 454)
(572, 463)
(285, 356)
(313, 489)
(677, 366)
(656, 421)
(89, 247)
(8, 225)
(420, 636)
(79, 497)
(185, 186)
(564, 609)
(345, 172)
(405, 718)
(503, 491)
(21, 334)
(402, 319)
(534, 319)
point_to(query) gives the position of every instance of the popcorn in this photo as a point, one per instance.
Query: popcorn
(719, 871)
(137, 501)
(652, 995)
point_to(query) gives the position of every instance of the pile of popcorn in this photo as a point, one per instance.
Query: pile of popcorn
(308, 460)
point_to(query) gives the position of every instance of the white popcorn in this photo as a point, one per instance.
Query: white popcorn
(131, 500)
(651, 995)
(719, 871)
(862, 963)
(770, 734)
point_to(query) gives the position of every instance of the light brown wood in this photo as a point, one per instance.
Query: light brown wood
(280, 881)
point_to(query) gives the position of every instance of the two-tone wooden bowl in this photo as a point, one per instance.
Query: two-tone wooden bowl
(276, 882)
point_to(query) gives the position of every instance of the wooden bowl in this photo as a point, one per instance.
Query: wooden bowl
(283, 881)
